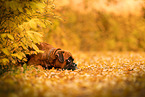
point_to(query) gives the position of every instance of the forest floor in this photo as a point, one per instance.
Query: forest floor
(99, 74)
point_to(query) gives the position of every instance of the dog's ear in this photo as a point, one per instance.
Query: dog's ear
(52, 54)
(60, 56)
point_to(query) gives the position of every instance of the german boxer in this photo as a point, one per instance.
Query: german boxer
(52, 57)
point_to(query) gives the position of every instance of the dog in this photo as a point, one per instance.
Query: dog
(52, 57)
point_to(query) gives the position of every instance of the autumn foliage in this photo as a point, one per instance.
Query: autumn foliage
(116, 25)
(108, 74)
(105, 37)
(20, 23)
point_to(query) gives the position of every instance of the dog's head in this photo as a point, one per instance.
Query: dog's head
(64, 59)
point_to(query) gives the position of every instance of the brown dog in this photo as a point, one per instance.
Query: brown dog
(52, 57)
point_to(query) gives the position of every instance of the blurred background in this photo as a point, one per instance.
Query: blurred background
(98, 25)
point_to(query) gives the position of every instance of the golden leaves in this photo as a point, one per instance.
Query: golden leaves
(5, 51)
(4, 61)
(4, 35)
(19, 55)
(100, 74)
(21, 26)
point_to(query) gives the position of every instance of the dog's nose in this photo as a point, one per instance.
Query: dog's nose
(75, 64)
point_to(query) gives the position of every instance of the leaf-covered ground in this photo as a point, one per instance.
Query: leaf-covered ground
(100, 74)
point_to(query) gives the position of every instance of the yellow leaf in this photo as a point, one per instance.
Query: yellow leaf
(20, 8)
(40, 51)
(32, 37)
(19, 55)
(32, 52)
(38, 36)
(23, 46)
(28, 11)
(37, 33)
(35, 47)
(32, 24)
(3, 35)
(5, 51)
(24, 59)
(10, 36)
(5, 61)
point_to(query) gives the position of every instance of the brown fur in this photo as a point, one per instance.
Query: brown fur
(51, 56)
